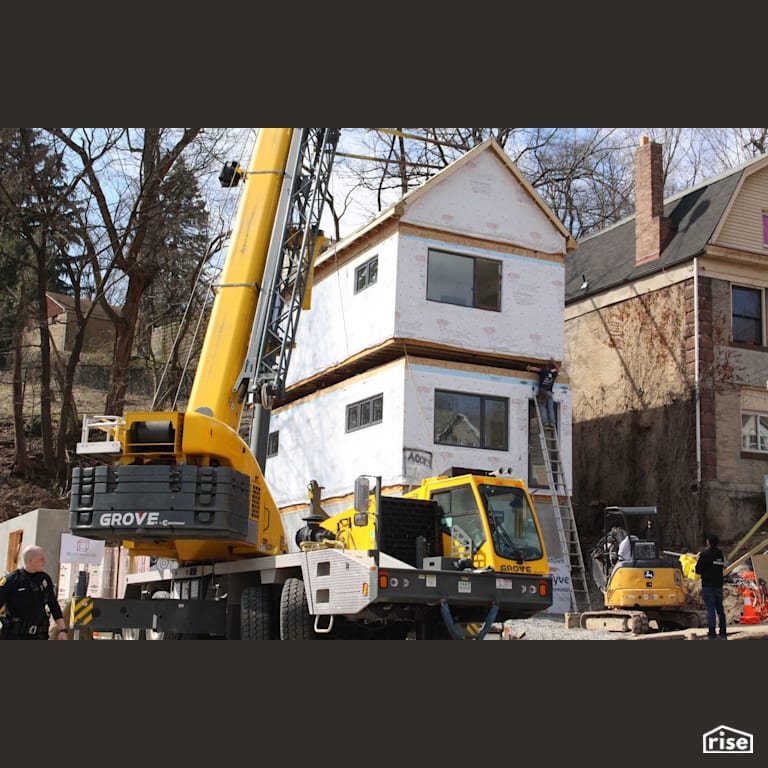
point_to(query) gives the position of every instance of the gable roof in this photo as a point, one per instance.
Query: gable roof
(67, 304)
(396, 210)
(607, 259)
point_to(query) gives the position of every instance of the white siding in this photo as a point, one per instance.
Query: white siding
(341, 323)
(483, 199)
(530, 323)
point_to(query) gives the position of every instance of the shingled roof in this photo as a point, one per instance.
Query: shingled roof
(607, 259)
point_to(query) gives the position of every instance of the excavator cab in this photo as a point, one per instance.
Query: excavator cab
(639, 584)
(629, 536)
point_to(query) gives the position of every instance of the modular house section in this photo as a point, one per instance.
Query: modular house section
(404, 421)
(472, 263)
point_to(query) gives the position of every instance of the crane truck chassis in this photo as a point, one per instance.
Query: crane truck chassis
(450, 559)
(426, 578)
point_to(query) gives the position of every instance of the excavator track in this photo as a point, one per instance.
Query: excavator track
(635, 622)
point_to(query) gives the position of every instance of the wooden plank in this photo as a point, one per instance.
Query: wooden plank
(747, 536)
(729, 568)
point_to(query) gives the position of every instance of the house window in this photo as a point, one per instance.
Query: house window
(754, 432)
(464, 280)
(747, 314)
(366, 413)
(471, 421)
(765, 228)
(366, 274)
(273, 441)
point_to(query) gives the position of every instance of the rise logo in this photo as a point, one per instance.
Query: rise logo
(727, 741)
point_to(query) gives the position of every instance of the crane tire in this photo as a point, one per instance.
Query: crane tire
(296, 623)
(258, 619)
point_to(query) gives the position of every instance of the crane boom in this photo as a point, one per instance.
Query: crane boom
(185, 485)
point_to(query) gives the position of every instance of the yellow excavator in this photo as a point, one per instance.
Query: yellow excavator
(642, 589)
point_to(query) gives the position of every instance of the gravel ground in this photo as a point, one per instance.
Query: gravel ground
(551, 627)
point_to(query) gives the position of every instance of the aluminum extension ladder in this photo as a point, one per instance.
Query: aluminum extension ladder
(563, 509)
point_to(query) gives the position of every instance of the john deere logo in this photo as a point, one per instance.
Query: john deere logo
(727, 741)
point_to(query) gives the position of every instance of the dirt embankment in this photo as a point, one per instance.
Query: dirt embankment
(19, 494)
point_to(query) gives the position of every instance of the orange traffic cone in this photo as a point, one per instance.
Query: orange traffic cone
(748, 615)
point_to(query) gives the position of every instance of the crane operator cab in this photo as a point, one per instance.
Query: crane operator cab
(490, 522)
(513, 531)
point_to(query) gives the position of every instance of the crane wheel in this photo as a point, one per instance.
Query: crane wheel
(296, 623)
(258, 613)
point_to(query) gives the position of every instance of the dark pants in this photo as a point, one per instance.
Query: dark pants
(18, 629)
(713, 602)
(38, 636)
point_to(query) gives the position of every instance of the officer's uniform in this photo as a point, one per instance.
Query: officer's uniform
(30, 602)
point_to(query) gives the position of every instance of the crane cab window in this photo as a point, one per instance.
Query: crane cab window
(510, 518)
(459, 509)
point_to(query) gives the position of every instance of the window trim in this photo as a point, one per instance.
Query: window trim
(765, 229)
(358, 408)
(365, 270)
(273, 444)
(760, 320)
(475, 260)
(484, 399)
(755, 417)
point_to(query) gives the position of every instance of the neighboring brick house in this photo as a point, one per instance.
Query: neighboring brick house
(62, 326)
(412, 358)
(665, 347)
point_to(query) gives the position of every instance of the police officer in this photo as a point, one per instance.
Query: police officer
(29, 597)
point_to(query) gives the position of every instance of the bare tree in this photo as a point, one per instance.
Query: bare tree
(585, 175)
(576, 171)
(127, 225)
(97, 213)
(36, 209)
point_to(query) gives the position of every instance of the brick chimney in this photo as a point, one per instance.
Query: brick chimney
(651, 228)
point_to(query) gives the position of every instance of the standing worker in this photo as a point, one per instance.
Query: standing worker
(29, 597)
(710, 567)
(547, 375)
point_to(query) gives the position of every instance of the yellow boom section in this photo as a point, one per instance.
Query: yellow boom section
(226, 340)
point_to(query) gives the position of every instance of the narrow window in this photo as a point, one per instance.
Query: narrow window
(765, 228)
(365, 413)
(366, 274)
(471, 421)
(273, 442)
(464, 280)
(747, 315)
